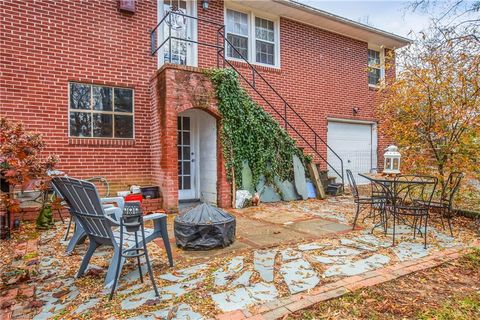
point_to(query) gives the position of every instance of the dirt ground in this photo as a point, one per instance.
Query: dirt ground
(450, 291)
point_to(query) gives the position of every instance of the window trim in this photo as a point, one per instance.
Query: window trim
(92, 111)
(381, 50)
(249, 32)
(252, 14)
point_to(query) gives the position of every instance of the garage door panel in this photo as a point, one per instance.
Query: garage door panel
(355, 144)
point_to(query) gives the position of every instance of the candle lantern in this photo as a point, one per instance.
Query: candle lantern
(392, 160)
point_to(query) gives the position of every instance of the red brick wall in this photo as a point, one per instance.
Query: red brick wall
(45, 44)
(322, 75)
(179, 89)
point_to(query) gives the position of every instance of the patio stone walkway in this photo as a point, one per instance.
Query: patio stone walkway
(266, 277)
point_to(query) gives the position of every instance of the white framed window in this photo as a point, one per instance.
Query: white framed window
(376, 66)
(96, 111)
(255, 37)
(264, 41)
(237, 34)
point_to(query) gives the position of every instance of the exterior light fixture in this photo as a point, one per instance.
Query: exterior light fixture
(392, 160)
(127, 6)
(356, 110)
(205, 4)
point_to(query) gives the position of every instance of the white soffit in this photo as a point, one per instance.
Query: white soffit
(327, 21)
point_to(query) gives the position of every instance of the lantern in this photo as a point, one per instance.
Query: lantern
(392, 160)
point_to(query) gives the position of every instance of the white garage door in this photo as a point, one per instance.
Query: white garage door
(356, 144)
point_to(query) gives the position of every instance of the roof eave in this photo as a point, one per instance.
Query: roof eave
(399, 41)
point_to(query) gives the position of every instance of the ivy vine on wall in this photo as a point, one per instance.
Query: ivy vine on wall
(250, 133)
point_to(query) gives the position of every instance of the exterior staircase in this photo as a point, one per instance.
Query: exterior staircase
(310, 140)
(332, 187)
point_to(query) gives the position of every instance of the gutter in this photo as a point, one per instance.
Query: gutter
(309, 9)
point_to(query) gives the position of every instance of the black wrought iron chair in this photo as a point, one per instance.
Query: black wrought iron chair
(132, 222)
(372, 202)
(410, 196)
(87, 210)
(447, 197)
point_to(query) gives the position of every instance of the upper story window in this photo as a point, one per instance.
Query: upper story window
(255, 38)
(100, 111)
(264, 41)
(375, 67)
(237, 34)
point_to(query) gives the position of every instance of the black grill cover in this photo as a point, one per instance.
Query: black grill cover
(204, 227)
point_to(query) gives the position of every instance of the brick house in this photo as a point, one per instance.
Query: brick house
(82, 73)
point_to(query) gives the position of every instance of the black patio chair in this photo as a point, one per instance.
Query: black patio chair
(445, 203)
(99, 226)
(410, 196)
(373, 202)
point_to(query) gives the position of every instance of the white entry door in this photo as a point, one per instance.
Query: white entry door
(181, 27)
(356, 144)
(186, 158)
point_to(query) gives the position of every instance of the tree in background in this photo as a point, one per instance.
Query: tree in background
(460, 18)
(432, 109)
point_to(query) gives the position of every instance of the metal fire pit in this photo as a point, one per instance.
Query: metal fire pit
(204, 227)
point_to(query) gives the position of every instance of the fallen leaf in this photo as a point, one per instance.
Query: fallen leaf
(61, 293)
(36, 304)
(151, 302)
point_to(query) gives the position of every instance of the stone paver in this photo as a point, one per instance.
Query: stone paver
(183, 274)
(237, 286)
(357, 267)
(311, 246)
(223, 275)
(400, 229)
(263, 261)
(342, 251)
(446, 241)
(372, 240)
(242, 280)
(134, 274)
(299, 275)
(331, 259)
(357, 245)
(319, 227)
(410, 251)
(243, 297)
(166, 293)
(180, 312)
(86, 305)
(129, 290)
(290, 254)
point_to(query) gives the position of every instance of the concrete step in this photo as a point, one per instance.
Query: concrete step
(335, 189)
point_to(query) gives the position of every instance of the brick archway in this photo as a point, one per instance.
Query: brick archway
(178, 89)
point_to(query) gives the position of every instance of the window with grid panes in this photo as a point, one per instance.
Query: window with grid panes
(264, 41)
(374, 67)
(251, 37)
(100, 111)
(237, 34)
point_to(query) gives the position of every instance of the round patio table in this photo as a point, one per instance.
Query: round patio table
(387, 183)
(377, 177)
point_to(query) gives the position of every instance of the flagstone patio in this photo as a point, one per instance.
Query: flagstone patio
(282, 250)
